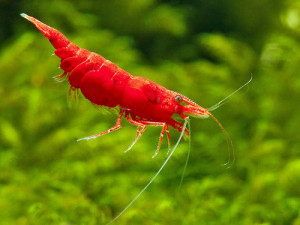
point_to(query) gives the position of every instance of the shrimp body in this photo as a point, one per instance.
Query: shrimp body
(143, 101)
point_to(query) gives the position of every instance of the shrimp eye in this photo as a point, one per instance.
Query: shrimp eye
(178, 98)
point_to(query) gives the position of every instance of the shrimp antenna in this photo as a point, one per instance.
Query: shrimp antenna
(229, 144)
(187, 157)
(160, 169)
(223, 100)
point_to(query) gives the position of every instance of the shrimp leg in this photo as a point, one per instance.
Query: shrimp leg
(169, 141)
(140, 130)
(116, 127)
(164, 129)
(142, 124)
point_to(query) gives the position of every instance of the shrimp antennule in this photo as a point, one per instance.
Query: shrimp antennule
(223, 100)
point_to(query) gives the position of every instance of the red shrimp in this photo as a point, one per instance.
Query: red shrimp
(142, 101)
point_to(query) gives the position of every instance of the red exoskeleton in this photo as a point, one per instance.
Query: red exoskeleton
(142, 101)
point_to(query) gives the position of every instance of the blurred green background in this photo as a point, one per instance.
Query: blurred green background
(202, 49)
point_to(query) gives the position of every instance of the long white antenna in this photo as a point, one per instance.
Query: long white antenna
(187, 157)
(222, 101)
(160, 169)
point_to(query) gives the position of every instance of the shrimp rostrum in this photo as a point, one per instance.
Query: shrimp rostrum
(142, 101)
